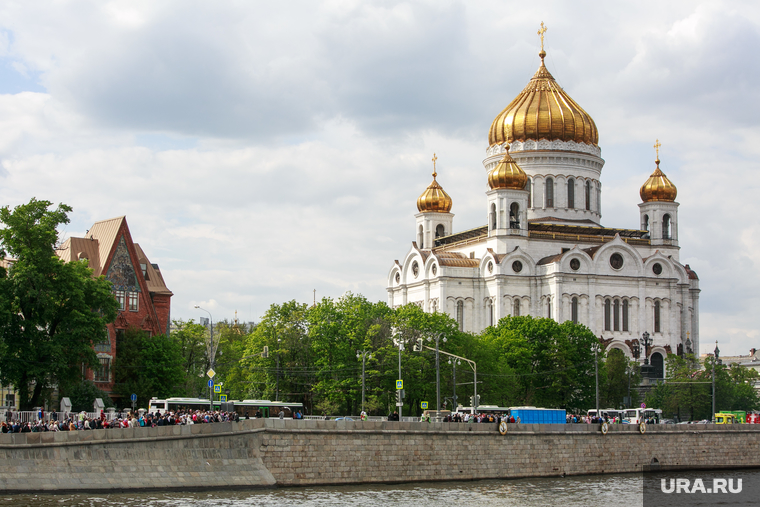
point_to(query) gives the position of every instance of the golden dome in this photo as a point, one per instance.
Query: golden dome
(658, 187)
(507, 174)
(434, 198)
(543, 111)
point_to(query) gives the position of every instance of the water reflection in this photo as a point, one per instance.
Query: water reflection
(565, 492)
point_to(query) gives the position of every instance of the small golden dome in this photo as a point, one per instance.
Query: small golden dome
(658, 187)
(543, 111)
(434, 198)
(507, 174)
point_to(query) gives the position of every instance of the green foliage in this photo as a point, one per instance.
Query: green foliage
(51, 312)
(618, 377)
(147, 366)
(83, 396)
(687, 393)
(191, 338)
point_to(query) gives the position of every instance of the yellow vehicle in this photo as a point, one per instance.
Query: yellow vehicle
(723, 418)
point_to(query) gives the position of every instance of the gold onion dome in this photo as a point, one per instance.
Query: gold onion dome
(434, 198)
(507, 174)
(658, 187)
(543, 111)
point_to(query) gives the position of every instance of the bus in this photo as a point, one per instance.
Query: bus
(607, 412)
(639, 415)
(245, 409)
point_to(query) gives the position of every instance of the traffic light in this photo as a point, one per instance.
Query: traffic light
(477, 401)
(472, 399)
(418, 345)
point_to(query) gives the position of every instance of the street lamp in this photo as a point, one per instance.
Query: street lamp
(716, 353)
(210, 352)
(454, 364)
(400, 344)
(636, 349)
(647, 342)
(363, 355)
(437, 337)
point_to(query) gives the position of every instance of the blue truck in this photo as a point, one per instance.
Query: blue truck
(533, 415)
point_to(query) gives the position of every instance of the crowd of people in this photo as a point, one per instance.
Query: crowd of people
(82, 421)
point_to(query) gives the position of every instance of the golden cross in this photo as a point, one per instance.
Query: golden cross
(434, 159)
(541, 32)
(657, 147)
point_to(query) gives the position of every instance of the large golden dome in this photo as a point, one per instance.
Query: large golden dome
(434, 198)
(507, 174)
(543, 111)
(658, 187)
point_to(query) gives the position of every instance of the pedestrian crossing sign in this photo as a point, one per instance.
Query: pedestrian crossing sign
(217, 388)
(424, 405)
(223, 398)
(399, 384)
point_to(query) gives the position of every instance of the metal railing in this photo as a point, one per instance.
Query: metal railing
(33, 415)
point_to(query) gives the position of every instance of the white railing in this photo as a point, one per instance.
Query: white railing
(33, 415)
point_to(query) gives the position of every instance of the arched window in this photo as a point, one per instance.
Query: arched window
(571, 193)
(549, 193)
(625, 315)
(666, 227)
(574, 310)
(549, 308)
(588, 195)
(460, 315)
(434, 306)
(440, 231)
(607, 314)
(420, 238)
(514, 216)
(616, 315)
(530, 193)
(516, 308)
(489, 309)
(646, 223)
(493, 217)
(656, 316)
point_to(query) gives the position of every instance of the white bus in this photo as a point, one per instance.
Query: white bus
(245, 408)
(639, 415)
(608, 412)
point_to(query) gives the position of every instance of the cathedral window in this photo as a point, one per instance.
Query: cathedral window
(549, 309)
(516, 308)
(460, 315)
(489, 309)
(439, 231)
(420, 238)
(514, 216)
(625, 315)
(616, 315)
(666, 227)
(588, 195)
(646, 223)
(574, 310)
(607, 315)
(493, 217)
(571, 193)
(530, 193)
(549, 192)
(656, 316)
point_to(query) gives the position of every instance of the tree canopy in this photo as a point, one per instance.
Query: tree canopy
(51, 311)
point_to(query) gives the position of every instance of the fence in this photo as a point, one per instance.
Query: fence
(33, 415)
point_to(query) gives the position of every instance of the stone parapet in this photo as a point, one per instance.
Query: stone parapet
(269, 452)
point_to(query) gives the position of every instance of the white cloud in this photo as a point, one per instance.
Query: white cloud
(262, 151)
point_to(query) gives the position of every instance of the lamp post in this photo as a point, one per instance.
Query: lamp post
(210, 352)
(635, 352)
(363, 355)
(400, 344)
(716, 353)
(647, 342)
(437, 337)
(596, 375)
(454, 364)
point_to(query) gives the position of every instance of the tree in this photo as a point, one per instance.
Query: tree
(83, 395)
(51, 312)
(190, 338)
(147, 366)
(616, 377)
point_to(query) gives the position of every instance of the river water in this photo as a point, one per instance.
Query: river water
(605, 490)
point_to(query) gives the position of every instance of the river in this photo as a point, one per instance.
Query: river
(605, 490)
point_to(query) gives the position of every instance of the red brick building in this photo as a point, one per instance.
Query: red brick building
(144, 300)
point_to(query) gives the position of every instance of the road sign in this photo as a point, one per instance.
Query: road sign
(423, 405)
(223, 398)
(643, 405)
(217, 388)
(133, 397)
(399, 404)
(399, 384)
(210, 383)
(210, 373)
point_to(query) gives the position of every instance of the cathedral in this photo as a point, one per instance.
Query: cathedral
(544, 251)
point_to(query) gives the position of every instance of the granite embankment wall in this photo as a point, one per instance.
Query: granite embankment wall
(265, 453)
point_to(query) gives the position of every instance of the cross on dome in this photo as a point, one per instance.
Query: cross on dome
(434, 171)
(541, 32)
(657, 147)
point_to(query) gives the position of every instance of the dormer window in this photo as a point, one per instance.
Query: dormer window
(144, 269)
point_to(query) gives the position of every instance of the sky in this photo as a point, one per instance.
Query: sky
(264, 150)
